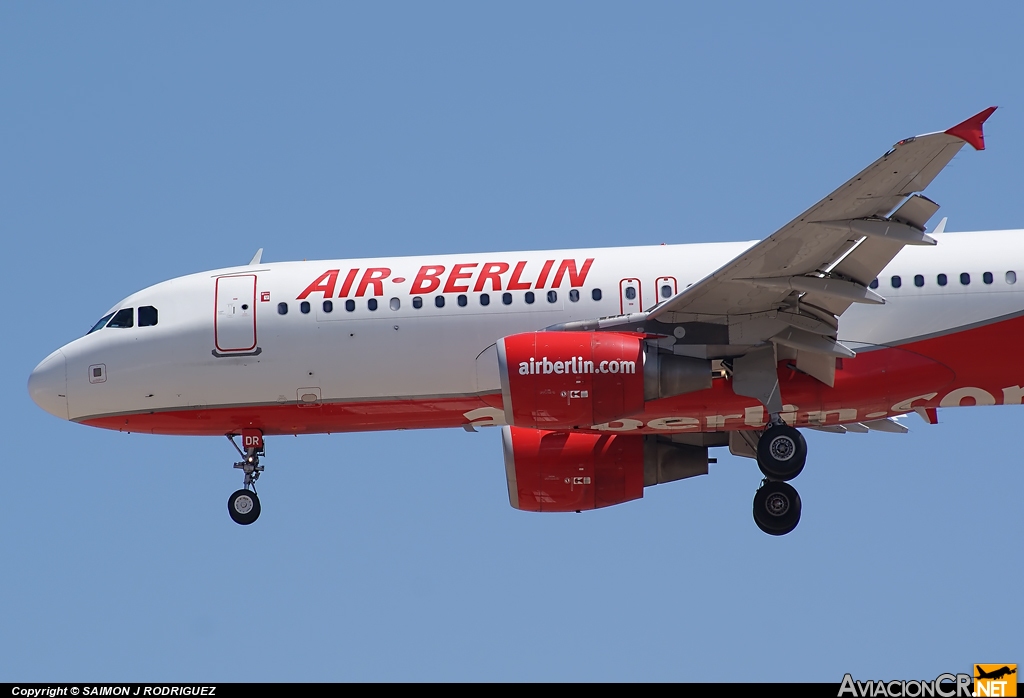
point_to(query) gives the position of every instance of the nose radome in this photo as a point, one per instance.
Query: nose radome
(48, 385)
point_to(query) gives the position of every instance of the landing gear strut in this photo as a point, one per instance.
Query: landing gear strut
(243, 504)
(781, 454)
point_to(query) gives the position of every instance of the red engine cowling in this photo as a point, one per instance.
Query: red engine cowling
(573, 471)
(559, 380)
(570, 471)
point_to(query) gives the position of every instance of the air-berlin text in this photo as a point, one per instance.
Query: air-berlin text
(478, 277)
(574, 365)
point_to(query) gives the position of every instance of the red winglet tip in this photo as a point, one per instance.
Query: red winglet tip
(970, 130)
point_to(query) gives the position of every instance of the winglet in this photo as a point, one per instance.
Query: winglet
(970, 130)
(256, 257)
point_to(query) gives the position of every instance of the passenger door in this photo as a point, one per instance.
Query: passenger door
(234, 324)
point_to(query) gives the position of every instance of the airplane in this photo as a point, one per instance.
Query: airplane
(607, 370)
(996, 674)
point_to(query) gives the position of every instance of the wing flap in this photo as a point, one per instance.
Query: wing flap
(871, 257)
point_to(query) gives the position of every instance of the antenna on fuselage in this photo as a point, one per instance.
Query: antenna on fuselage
(259, 255)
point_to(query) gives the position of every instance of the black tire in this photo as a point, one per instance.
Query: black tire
(777, 508)
(244, 507)
(781, 452)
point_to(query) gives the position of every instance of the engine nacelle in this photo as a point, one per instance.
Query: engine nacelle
(573, 471)
(567, 379)
(561, 380)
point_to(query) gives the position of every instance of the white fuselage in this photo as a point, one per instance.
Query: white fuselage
(206, 351)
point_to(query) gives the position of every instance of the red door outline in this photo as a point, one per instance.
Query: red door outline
(626, 305)
(662, 281)
(251, 302)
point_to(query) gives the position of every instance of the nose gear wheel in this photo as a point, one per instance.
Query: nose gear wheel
(244, 507)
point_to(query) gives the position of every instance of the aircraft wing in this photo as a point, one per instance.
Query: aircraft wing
(825, 241)
(792, 287)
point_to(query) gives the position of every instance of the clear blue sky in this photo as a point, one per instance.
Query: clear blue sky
(143, 141)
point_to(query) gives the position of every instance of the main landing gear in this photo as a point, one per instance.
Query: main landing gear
(781, 454)
(243, 504)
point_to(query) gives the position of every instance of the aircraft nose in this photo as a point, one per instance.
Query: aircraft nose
(48, 385)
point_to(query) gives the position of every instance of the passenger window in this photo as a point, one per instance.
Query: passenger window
(666, 291)
(147, 316)
(941, 279)
(106, 318)
(439, 301)
(463, 300)
(965, 279)
(350, 305)
(873, 284)
(304, 307)
(394, 304)
(417, 302)
(123, 318)
(282, 308)
(1011, 277)
(529, 297)
(372, 304)
(574, 295)
(596, 294)
(553, 296)
(987, 277)
(897, 282)
(630, 294)
(918, 280)
(506, 298)
(485, 299)
(328, 306)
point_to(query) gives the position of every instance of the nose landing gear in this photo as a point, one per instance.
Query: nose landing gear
(244, 504)
(781, 454)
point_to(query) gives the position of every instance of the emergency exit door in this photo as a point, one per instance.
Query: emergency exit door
(666, 287)
(234, 325)
(629, 296)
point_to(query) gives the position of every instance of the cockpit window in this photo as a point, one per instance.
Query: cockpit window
(147, 316)
(125, 317)
(101, 324)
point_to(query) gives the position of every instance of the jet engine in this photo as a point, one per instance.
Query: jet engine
(573, 471)
(562, 380)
